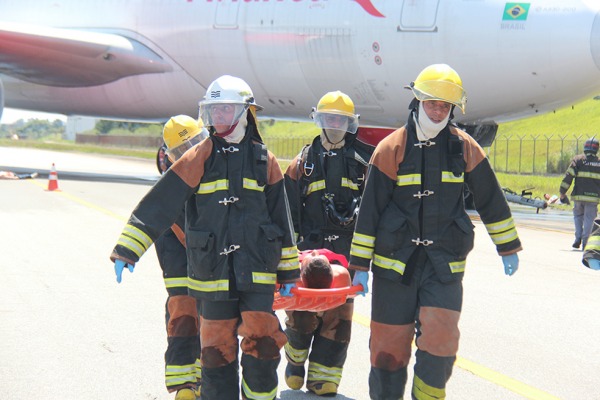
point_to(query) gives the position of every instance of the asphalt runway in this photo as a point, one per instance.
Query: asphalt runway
(69, 331)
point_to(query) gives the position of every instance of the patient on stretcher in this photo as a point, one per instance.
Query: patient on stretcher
(317, 271)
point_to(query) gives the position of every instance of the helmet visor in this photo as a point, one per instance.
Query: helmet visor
(221, 116)
(341, 122)
(176, 152)
(440, 90)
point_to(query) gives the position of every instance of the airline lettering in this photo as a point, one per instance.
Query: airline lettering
(367, 5)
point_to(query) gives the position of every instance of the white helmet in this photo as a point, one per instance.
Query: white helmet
(227, 99)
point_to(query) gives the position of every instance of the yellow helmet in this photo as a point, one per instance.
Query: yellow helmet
(440, 82)
(181, 133)
(336, 103)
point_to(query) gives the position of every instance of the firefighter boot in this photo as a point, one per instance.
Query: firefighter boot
(294, 376)
(185, 394)
(322, 388)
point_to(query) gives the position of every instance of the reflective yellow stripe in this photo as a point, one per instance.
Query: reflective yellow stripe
(264, 278)
(258, 395)
(132, 245)
(214, 186)
(458, 266)
(504, 237)
(422, 391)
(198, 370)
(500, 226)
(389, 263)
(288, 265)
(349, 184)
(180, 374)
(406, 180)
(252, 184)
(360, 251)
(289, 259)
(588, 174)
(208, 286)
(319, 372)
(315, 186)
(134, 239)
(137, 234)
(176, 282)
(296, 355)
(363, 240)
(449, 177)
(579, 197)
(593, 243)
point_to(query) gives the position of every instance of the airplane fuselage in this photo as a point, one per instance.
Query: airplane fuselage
(513, 62)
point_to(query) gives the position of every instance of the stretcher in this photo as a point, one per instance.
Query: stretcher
(316, 300)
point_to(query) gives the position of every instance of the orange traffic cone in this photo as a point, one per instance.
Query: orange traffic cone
(53, 179)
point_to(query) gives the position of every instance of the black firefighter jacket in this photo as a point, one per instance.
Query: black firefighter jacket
(414, 197)
(324, 189)
(238, 223)
(585, 170)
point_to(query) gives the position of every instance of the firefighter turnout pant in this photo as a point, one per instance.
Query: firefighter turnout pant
(426, 305)
(182, 358)
(329, 332)
(251, 317)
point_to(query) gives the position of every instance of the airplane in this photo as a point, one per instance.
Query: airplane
(149, 60)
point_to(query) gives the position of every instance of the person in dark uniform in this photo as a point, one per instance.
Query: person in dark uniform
(414, 234)
(239, 241)
(183, 372)
(585, 171)
(324, 184)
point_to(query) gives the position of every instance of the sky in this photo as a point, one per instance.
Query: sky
(11, 115)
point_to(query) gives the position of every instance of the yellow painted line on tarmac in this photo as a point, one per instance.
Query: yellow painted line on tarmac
(479, 370)
(504, 381)
(81, 201)
(497, 378)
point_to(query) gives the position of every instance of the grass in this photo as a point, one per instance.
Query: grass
(566, 130)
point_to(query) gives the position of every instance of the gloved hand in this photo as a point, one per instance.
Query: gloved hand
(119, 266)
(361, 278)
(511, 264)
(594, 264)
(286, 289)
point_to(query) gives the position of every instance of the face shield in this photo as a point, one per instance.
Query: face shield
(334, 121)
(175, 153)
(221, 116)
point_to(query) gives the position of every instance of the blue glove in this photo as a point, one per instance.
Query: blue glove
(286, 289)
(594, 264)
(361, 278)
(511, 264)
(119, 266)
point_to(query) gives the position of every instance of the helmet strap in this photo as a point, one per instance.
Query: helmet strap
(330, 140)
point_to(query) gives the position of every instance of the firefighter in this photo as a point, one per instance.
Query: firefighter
(414, 233)
(324, 185)
(591, 252)
(585, 170)
(239, 241)
(183, 372)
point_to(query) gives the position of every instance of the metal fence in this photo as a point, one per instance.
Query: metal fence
(522, 154)
(534, 154)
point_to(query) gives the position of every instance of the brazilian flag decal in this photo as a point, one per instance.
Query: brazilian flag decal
(515, 11)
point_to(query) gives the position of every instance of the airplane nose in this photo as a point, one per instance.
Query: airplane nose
(595, 40)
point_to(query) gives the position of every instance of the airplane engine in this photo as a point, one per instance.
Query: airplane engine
(484, 134)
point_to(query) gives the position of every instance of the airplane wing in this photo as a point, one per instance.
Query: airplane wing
(71, 57)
